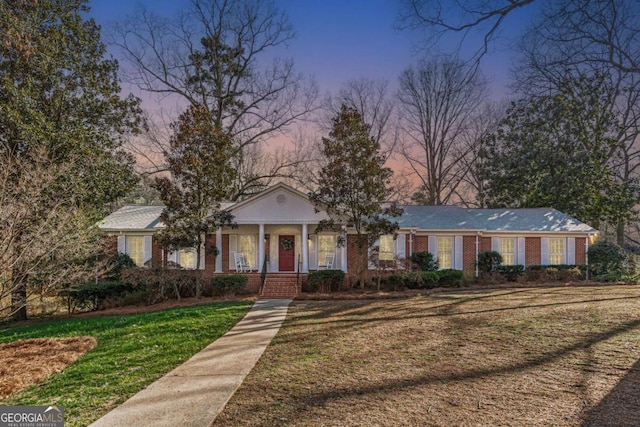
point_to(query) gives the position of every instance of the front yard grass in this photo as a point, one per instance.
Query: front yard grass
(566, 356)
(132, 352)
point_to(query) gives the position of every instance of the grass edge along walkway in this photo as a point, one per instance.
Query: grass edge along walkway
(132, 352)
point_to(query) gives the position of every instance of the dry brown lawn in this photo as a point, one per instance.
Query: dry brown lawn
(31, 361)
(565, 356)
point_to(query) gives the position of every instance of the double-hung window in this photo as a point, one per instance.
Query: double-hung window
(556, 251)
(135, 249)
(445, 248)
(385, 250)
(187, 258)
(326, 246)
(508, 250)
(247, 245)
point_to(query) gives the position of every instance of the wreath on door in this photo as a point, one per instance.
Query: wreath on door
(286, 244)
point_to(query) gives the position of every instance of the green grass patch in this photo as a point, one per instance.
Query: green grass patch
(132, 352)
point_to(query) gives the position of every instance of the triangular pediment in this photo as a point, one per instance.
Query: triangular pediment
(280, 204)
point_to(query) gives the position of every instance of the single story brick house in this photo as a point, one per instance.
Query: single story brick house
(277, 229)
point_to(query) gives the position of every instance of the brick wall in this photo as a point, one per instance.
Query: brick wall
(532, 250)
(581, 255)
(156, 253)
(485, 244)
(420, 243)
(469, 255)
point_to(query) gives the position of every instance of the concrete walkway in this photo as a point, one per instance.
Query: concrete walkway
(194, 393)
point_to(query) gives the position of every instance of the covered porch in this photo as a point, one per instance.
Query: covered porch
(277, 233)
(278, 249)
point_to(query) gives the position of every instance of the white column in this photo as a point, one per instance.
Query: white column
(345, 249)
(305, 248)
(260, 247)
(219, 247)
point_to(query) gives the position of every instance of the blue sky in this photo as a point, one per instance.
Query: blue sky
(338, 40)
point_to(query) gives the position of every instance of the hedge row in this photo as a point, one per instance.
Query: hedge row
(149, 286)
(325, 281)
(536, 273)
(229, 284)
(425, 279)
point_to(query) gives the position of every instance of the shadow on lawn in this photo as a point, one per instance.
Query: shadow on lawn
(623, 397)
(366, 313)
(621, 407)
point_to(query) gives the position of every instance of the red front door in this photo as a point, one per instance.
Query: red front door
(286, 253)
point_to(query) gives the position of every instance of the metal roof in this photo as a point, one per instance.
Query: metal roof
(133, 217)
(456, 218)
(142, 218)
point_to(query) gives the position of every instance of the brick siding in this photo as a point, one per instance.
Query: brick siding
(485, 244)
(581, 255)
(420, 243)
(532, 250)
(469, 255)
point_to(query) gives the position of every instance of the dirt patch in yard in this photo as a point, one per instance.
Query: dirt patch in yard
(31, 361)
(565, 356)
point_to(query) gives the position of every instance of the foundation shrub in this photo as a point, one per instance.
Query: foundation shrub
(424, 261)
(570, 274)
(117, 264)
(430, 279)
(229, 284)
(325, 280)
(450, 278)
(398, 281)
(555, 273)
(137, 297)
(493, 278)
(511, 273)
(161, 283)
(489, 262)
(94, 296)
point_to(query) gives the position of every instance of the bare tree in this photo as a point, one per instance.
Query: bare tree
(45, 244)
(439, 100)
(471, 191)
(582, 38)
(607, 28)
(372, 100)
(437, 18)
(214, 54)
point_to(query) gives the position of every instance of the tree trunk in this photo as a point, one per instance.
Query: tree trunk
(19, 302)
(620, 233)
(362, 266)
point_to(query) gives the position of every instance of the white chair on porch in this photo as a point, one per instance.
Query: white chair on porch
(328, 262)
(241, 263)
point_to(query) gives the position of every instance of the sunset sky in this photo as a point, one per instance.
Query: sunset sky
(339, 40)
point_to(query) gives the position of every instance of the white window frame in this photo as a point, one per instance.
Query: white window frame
(509, 258)
(124, 247)
(386, 248)
(557, 253)
(250, 251)
(329, 249)
(444, 254)
(136, 255)
(185, 253)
